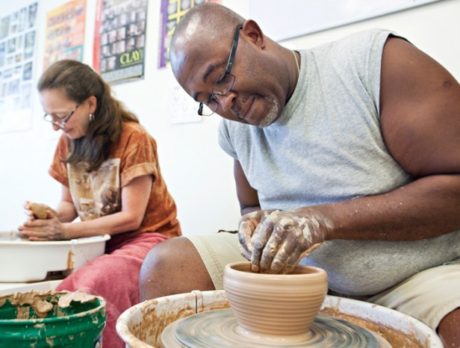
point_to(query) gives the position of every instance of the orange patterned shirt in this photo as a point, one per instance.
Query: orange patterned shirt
(98, 193)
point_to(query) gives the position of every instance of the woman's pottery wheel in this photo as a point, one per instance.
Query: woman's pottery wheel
(219, 328)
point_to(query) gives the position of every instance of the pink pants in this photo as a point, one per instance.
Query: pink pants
(115, 277)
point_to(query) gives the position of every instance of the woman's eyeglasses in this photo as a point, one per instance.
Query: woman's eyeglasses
(59, 120)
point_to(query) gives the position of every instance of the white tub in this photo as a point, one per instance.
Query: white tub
(29, 261)
(141, 325)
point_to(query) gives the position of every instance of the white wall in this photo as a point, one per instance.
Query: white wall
(198, 173)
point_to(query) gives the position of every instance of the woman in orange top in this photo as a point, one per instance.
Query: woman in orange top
(108, 167)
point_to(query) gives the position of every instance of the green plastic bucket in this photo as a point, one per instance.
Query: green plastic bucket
(80, 324)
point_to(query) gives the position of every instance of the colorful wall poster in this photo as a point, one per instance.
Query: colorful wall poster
(17, 49)
(171, 13)
(119, 40)
(65, 32)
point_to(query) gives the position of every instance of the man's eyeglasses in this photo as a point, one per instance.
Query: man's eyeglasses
(60, 120)
(224, 84)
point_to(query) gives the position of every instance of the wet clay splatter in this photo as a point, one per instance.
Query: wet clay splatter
(70, 263)
(152, 324)
(43, 302)
(64, 301)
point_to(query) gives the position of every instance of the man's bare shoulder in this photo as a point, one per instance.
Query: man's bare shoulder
(420, 110)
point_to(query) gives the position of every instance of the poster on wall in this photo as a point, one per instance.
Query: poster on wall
(182, 108)
(65, 32)
(171, 13)
(17, 49)
(119, 40)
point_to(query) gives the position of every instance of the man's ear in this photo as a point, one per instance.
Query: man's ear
(253, 33)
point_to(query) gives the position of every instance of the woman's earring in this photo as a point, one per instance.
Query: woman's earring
(91, 117)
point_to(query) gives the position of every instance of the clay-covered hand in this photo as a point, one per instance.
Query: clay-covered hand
(275, 241)
(43, 224)
(247, 226)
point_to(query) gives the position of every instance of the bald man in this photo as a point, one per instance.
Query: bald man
(345, 157)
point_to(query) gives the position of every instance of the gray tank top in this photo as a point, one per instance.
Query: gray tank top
(327, 147)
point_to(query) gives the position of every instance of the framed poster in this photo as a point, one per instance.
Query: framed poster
(17, 52)
(65, 32)
(171, 13)
(119, 39)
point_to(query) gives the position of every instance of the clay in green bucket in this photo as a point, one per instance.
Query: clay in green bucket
(51, 319)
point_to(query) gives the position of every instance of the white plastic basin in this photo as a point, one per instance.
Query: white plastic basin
(141, 325)
(27, 261)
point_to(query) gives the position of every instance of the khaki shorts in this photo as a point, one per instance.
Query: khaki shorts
(427, 296)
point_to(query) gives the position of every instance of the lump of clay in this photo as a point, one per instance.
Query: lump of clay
(38, 209)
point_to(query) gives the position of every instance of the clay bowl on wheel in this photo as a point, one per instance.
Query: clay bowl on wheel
(275, 304)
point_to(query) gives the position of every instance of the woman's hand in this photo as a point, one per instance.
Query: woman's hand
(48, 227)
(275, 241)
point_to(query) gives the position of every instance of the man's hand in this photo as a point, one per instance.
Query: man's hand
(275, 241)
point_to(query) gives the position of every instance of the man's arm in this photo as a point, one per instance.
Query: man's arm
(247, 196)
(420, 111)
(420, 118)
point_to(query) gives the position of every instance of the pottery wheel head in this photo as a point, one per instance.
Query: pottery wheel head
(219, 328)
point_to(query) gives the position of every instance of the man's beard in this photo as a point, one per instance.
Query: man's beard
(271, 116)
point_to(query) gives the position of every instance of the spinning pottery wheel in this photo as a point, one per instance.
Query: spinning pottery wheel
(220, 329)
(146, 324)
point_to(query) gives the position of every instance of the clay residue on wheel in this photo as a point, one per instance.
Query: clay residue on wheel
(394, 337)
(153, 324)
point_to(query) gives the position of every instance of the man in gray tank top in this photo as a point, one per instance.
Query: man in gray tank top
(345, 152)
